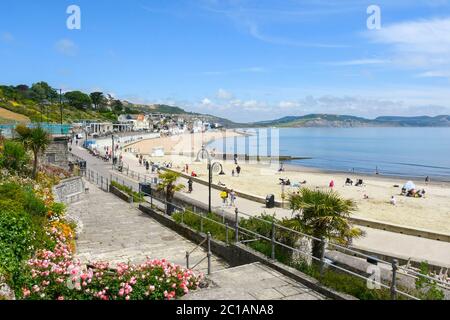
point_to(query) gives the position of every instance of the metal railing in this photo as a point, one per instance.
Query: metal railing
(245, 236)
(207, 240)
(96, 178)
(240, 234)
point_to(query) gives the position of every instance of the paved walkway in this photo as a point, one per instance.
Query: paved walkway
(114, 231)
(253, 282)
(389, 243)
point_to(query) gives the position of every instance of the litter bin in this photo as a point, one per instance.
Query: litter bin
(145, 188)
(270, 201)
(82, 165)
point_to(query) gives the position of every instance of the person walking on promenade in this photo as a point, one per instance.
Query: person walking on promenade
(233, 198)
(224, 197)
(238, 170)
(147, 165)
(190, 183)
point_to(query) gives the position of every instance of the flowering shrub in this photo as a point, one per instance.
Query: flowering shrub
(55, 275)
(37, 254)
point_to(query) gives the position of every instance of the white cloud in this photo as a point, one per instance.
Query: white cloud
(66, 47)
(434, 74)
(417, 44)
(206, 102)
(360, 62)
(231, 71)
(224, 94)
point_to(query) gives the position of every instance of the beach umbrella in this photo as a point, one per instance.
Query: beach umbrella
(409, 186)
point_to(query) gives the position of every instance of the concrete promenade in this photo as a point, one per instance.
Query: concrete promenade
(383, 242)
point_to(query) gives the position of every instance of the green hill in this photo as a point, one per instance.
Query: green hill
(345, 121)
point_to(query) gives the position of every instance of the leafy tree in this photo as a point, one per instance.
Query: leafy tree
(78, 99)
(117, 106)
(36, 140)
(42, 91)
(23, 90)
(323, 215)
(169, 186)
(14, 156)
(98, 99)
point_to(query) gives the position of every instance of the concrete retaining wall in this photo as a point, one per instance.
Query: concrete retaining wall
(122, 195)
(240, 194)
(421, 233)
(238, 254)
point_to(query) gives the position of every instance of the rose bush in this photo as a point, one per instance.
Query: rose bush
(56, 275)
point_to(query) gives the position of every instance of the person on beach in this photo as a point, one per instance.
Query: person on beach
(331, 184)
(427, 180)
(393, 201)
(190, 183)
(238, 170)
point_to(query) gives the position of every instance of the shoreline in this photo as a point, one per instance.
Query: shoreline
(299, 168)
(373, 198)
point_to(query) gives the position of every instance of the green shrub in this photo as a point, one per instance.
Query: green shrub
(57, 209)
(428, 289)
(14, 195)
(16, 239)
(194, 221)
(13, 156)
(137, 197)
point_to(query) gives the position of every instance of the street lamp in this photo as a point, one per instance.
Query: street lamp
(112, 151)
(61, 111)
(212, 166)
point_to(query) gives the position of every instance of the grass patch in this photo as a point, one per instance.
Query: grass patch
(137, 196)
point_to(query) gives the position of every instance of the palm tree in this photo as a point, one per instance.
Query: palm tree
(323, 215)
(36, 140)
(169, 186)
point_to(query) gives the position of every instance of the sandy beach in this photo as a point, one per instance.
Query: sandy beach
(431, 212)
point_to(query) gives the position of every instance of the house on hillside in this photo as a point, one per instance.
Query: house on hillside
(137, 122)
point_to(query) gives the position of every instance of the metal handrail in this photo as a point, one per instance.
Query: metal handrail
(208, 254)
(199, 245)
(310, 255)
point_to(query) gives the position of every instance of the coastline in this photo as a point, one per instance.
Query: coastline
(261, 179)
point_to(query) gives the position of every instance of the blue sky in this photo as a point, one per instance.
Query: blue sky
(242, 59)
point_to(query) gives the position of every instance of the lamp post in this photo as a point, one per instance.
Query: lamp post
(112, 150)
(210, 168)
(61, 111)
(209, 183)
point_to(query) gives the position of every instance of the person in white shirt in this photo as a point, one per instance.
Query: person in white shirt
(393, 201)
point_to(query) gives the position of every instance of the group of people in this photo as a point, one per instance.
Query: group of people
(228, 198)
(359, 182)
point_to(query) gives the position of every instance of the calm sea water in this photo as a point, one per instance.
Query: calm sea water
(414, 152)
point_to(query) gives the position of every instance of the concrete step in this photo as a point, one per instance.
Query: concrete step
(253, 282)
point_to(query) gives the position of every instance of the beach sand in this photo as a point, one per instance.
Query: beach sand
(431, 212)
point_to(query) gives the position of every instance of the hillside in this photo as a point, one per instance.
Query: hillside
(40, 103)
(345, 121)
(7, 116)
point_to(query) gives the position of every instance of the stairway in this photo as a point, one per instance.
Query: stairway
(252, 282)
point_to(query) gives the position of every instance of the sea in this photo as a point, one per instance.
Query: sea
(389, 151)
